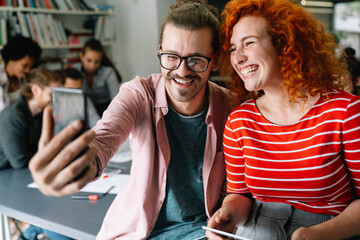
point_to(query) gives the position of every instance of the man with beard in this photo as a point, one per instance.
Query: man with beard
(175, 121)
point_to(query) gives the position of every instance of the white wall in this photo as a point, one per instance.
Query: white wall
(137, 27)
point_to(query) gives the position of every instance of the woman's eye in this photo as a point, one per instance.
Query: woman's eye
(246, 44)
(231, 50)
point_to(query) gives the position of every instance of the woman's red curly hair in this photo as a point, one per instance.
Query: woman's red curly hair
(306, 53)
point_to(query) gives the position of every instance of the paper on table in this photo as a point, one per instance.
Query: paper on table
(102, 184)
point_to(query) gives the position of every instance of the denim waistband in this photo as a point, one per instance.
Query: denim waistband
(284, 211)
(277, 221)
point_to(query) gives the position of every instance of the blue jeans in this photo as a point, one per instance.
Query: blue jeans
(278, 221)
(32, 232)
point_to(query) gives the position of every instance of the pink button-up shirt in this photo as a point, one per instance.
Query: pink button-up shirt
(138, 111)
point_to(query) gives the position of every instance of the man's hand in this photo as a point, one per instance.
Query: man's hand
(54, 168)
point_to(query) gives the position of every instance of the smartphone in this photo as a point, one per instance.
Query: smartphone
(225, 234)
(69, 104)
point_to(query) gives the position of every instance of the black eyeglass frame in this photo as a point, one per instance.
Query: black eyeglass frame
(185, 58)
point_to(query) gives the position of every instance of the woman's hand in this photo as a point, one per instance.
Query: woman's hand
(307, 234)
(55, 167)
(221, 220)
(234, 211)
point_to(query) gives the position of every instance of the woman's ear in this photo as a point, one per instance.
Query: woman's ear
(35, 89)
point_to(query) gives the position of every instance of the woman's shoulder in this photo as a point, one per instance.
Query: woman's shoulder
(14, 114)
(339, 97)
(105, 70)
(248, 107)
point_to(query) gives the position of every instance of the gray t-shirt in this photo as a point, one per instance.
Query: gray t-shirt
(183, 211)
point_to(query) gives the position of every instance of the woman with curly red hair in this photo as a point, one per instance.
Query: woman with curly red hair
(292, 148)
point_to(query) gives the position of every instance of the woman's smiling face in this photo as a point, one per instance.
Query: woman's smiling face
(253, 55)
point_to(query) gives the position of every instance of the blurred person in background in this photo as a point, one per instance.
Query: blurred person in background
(21, 122)
(101, 79)
(19, 55)
(73, 79)
(354, 68)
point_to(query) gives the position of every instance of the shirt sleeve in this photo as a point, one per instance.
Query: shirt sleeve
(351, 142)
(234, 160)
(13, 141)
(117, 122)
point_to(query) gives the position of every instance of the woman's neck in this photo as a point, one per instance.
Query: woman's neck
(279, 109)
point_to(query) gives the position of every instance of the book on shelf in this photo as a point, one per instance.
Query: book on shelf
(76, 5)
(62, 32)
(61, 4)
(71, 57)
(104, 28)
(39, 36)
(31, 27)
(14, 3)
(99, 26)
(26, 3)
(84, 6)
(31, 3)
(37, 4)
(3, 31)
(79, 36)
(54, 4)
(15, 28)
(68, 6)
(103, 7)
(21, 3)
(54, 37)
(44, 30)
(48, 4)
(55, 30)
(23, 25)
(55, 26)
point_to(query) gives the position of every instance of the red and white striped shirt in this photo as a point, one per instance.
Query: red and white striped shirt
(313, 164)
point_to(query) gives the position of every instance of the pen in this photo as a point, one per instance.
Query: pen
(91, 197)
(117, 171)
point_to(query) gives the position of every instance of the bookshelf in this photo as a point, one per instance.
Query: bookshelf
(53, 26)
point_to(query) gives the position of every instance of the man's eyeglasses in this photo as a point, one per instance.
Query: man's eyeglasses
(172, 61)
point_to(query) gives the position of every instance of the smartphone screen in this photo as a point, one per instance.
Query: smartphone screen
(68, 105)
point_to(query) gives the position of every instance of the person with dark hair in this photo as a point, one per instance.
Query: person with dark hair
(20, 123)
(19, 55)
(73, 79)
(292, 148)
(353, 65)
(175, 121)
(20, 130)
(100, 77)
